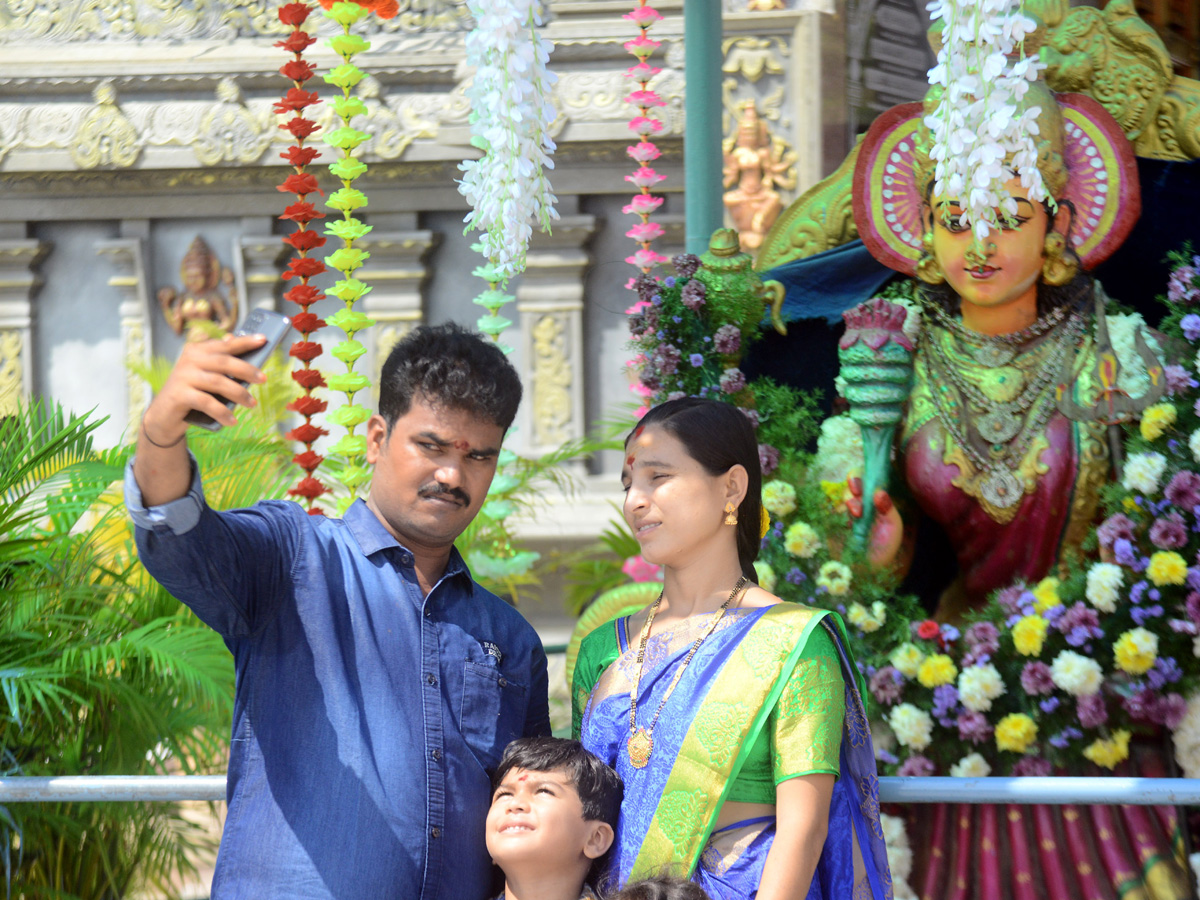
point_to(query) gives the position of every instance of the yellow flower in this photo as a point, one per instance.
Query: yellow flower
(936, 670)
(1131, 505)
(835, 491)
(1167, 567)
(835, 578)
(1157, 419)
(907, 658)
(1015, 732)
(779, 498)
(1046, 594)
(801, 540)
(867, 621)
(1109, 753)
(1029, 634)
(1136, 651)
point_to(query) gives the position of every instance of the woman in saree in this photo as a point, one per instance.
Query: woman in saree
(735, 720)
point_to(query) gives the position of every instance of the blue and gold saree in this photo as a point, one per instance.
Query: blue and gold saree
(771, 694)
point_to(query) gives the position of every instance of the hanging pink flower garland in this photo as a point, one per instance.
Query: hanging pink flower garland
(646, 125)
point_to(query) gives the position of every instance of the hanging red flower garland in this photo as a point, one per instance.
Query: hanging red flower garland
(302, 183)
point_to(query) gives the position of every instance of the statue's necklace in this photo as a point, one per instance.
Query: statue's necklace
(641, 740)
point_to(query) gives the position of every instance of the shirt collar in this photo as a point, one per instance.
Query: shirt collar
(372, 537)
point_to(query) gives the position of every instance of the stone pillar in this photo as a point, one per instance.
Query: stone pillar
(396, 272)
(258, 262)
(550, 302)
(128, 259)
(18, 282)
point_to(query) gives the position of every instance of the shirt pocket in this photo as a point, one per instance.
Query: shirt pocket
(493, 712)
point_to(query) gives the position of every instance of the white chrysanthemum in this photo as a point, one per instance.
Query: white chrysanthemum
(1077, 675)
(1132, 377)
(511, 114)
(1104, 582)
(912, 318)
(779, 498)
(839, 449)
(978, 686)
(867, 620)
(907, 659)
(1194, 445)
(971, 766)
(1187, 739)
(913, 727)
(899, 854)
(1143, 472)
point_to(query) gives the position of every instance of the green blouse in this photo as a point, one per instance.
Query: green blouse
(803, 733)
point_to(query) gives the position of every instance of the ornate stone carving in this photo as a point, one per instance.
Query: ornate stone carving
(552, 377)
(258, 266)
(230, 132)
(396, 272)
(127, 258)
(105, 138)
(753, 57)
(18, 281)
(756, 162)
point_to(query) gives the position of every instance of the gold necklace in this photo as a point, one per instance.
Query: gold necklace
(641, 740)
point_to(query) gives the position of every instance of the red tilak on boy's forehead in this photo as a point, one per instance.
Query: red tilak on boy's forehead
(523, 777)
(637, 432)
(629, 460)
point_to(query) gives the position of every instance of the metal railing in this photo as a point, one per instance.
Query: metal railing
(1051, 790)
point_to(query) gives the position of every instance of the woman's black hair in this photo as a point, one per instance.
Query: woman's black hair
(718, 436)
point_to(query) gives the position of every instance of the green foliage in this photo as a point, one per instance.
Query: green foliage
(597, 568)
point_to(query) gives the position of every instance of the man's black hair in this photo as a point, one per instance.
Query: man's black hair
(453, 368)
(600, 788)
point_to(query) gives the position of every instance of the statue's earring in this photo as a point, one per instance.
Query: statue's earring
(929, 270)
(1059, 266)
(730, 513)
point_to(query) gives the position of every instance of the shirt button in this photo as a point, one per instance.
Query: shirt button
(428, 612)
(435, 833)
(406, 559)
(436, 754)
(503, 682)
(431, 679)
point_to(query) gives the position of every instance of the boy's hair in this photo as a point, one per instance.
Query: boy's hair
(661, 887)
(450, 367)
(600, 788)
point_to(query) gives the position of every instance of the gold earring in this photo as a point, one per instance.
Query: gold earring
(1059, 266)
(730, 514)
(929, 270)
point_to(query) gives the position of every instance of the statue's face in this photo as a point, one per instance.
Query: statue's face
(195, 276)
(1004, 269)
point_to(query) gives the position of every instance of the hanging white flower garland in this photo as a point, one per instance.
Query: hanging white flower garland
(980, 134)
(511, 114)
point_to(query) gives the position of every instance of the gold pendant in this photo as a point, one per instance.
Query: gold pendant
(641, 745)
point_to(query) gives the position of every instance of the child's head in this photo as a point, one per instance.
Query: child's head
(553, 804)
(661, 887)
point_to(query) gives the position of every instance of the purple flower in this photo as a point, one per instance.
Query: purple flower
(676, 395)
(1143, 705)
(1080, 623)
(1143, 614)
(667, 358)
(884, 757)
(686, 264)
(1115, 527)
(949, 634)
(1031, 767)
(1010, 598)
(646, 287)
(1192, 607)
(1170, 532)
(692, 295)
(1166, 671)
(1172, 710)
(669, 281)
(1123, 553)
(1178, 379)
(768, 458)
(1184, 489)
(733, 380)
(916, 765)
(1181, 287)
(983, 634)
(886, 685)
(1092, 711)
(1036, 679)
(728, 339)
(752, 415)
(1191, 326)
(650, 380)
(1050, 704)
(976, 656)
(1065, 736)
(974, 727)
(696, 360)
(945, 700)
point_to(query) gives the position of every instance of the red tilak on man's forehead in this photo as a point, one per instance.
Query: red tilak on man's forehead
(462, 445)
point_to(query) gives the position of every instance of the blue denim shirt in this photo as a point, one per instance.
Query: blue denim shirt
(366, 717)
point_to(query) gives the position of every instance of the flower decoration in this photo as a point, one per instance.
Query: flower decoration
(645, 124)
(347, 259)
(301, 266)
(980, 132)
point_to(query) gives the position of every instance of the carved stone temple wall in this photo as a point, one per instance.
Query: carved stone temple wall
(128, 129)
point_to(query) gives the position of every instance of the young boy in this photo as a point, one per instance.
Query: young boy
(554, 809)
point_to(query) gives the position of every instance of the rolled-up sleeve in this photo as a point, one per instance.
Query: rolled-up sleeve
(177, 517)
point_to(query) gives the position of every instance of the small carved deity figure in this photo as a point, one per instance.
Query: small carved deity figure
(201, 304)
(755, 164)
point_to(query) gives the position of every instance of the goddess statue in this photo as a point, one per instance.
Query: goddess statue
(754, 165)
(200, 305)
(1003, 439)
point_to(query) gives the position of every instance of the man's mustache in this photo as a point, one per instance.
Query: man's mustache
(437, 489)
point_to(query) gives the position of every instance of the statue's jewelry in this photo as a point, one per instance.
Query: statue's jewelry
(996, 349)
(641, 740)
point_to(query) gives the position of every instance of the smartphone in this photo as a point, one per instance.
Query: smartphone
(258, 321)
